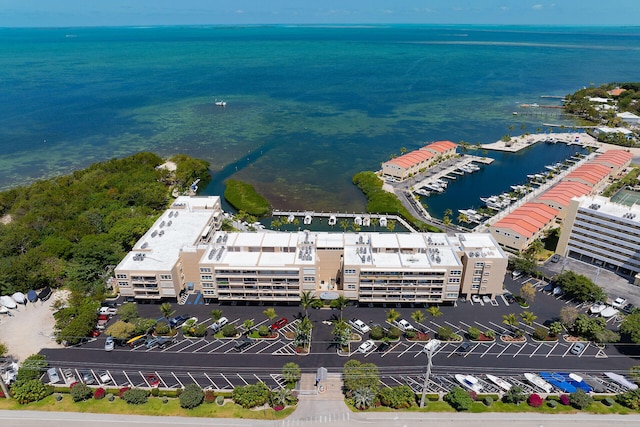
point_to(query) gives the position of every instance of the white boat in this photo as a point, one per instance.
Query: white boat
(221, 103)
(434, 186)
(470, 382)
(19, 297)
(332, 220)
(307, 219)
(290, 219)
(422, 192)
(538, 382)
(8, 302)
(3, 309)
(366, 221)
(473, 167)
(382, 221)
(506, 386)
(357, 220)
(471, 215)
(609, 312)
(597, 308)
(621, 380)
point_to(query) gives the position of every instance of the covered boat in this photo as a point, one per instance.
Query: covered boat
(596, 385)
(577, 381)
(19, 297)
(32, 296)
(7, 301)
(558, 382)
(538, 382)
(620, 379)
(44, 294)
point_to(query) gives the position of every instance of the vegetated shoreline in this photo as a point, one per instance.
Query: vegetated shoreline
(243, 197)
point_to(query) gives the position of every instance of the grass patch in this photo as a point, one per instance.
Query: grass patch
(153, 407)
(243, 197)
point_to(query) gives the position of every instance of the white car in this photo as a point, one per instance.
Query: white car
(109, 311)
(366, 346)
(109, 344)
(217, 326)
(619, 302)
(403, 325)
(476, 299)
(359, 326)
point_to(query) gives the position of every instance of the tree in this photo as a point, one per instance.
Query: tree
(342, 333)
(344, 224)
(363, 398)
(269, 312)
(167, 311)
(535, 247)
(291, 372)
(580, 400)
(121, 330)
(588, 327)
(630, 326)
(192, 396)
(459, 399)
(29, 391)
(391, 225)
(128, 312)
(528, 317)
(579, 287)
(555, 328)
(251, 395)
(515, 395)
(445, 333)
(282, 397)
(248, 324)
(31, 368)
(357, 375)
(434, 311)
(528, 292)
(302, 334)
(417, 316)
(216, 314)
(80, 392)
(510, 320)
(306, 299)
(340, 303)
(392, 315)
(568, 315)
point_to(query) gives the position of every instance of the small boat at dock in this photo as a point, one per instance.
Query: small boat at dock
(506, 386)
(332, 220)
(307, 219)
(8, 302)
(366, 221)
(291, 218)
(422, 192)
(382, 221)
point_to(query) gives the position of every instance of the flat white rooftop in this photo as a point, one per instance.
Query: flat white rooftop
(604, 206)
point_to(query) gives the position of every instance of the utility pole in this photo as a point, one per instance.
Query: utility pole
(429, 348)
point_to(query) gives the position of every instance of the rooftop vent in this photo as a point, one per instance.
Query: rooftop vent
(169, 223)
(144, 245)
(171, 214)
(154, 234)
(162, 224)
(161, 233)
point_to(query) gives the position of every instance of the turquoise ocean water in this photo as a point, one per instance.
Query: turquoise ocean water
(307, 106)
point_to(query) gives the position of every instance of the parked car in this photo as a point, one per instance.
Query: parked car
(217, 326)
(510, 298)
(555, 258)
(577, 348)
(104, 377)
(366, 346)
(464, 348)
(241, 345)
(359, 326)
(476, 299)
(627, 309)
(619, 302)
(52, 373)
(109, 344)
(384, 346)
(69, 376)
(279, 324)
(516, 274)
(403, 325)
(152, 380)
(178, 320)
(87, 377)
(152, 342)
(108, 311)
(95, 333)
(486, 299)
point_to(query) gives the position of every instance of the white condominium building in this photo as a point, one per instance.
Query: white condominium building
(279, 266)
(602, 233)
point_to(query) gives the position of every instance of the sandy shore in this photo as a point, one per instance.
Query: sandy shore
(517, 143)
(30, 329)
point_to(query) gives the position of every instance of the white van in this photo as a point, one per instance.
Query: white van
(217, 326)
(516, 274)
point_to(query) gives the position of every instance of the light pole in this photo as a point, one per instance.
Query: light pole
(429, 348)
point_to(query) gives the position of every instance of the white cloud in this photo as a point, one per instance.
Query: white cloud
(537, 7)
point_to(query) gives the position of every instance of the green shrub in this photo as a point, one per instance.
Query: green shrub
(515, 395)
(220, 400)
(165, 399)
(488, 401)
(162, 329)
(31, 368)
(317, 303)
(244, 197)
(397, 397)
(110, 397)
(377, 333)
(27, 391)
(490, 333)
(540, 333)
(394, 333)
(410, 334)
(263, 331)
(251, 395)
(80, 392)
(459, 399)
(191, 397)
(473, 333)
(630, 399)
(155, 391)
(135, 396)
(552, 403)
(580, 400)
(445, 333)
(229, 330)
(607, 401)
(58, 397)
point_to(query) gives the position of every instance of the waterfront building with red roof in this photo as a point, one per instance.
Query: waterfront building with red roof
(516, 231)
(409, 164)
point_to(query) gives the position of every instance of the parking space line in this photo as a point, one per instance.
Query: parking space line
(487, 350)
(175, 343)
(536, 349)
(456, 328)
(519, 350)
(390, 349)
(179, 382)
(227, 380)
(485, 327)
(209, 378)
(222, 344)
(128, 379)
(243, 380)
(552, 348)
(274, 342)
(259, 379)
(585, 349)
(193, 379)
(471, 350)
(500, 327)
(207, 344)
(505, 300)
(191, 345)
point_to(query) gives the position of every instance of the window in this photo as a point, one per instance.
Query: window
(351, 287)
(349, 271)
(452, 295)
(207, 284)
(477, 272)
(476, 280)
(475, 286)
(205, 270)
(455, 273)
(454, 280)
(309, 279)
(479, 264)
(123, 284)
(165, 277)
(121, 276)
(206, 277)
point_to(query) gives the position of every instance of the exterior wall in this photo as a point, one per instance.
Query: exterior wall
(510, 240)
(483, 276)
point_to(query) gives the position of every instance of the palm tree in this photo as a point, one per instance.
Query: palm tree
(374, 223)
(216, 314)
(555, 328)
(167, 311)
(302, 336)
(418, 316)
(270, 313)
(281, 396)
(344, 224)
(528, 317)
(291, 372)
(392, 315)
(510, 320)
(434, 311)
(276, 223)
(363, 398)
(391, 225)
(306, 299)
(248, 324)
(340, 303)
(342, 333)
(463, 218)
(403, 150)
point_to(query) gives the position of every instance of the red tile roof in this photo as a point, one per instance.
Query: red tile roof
(616, 92)
(528, 219)
(563, 192)
(591, 173)
(615, 157)
(411, 159)
(440, 146)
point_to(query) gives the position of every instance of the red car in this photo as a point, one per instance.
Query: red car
(279, 324)
(152, 380)
(95, 333)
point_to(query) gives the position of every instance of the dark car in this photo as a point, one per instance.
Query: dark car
(464, 348)
(627, 309)
(510, 298)
(241, 345)
(179, 320)
(384, 346)
(279, 324)
(87, 377)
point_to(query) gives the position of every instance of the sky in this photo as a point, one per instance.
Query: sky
(76, 13)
